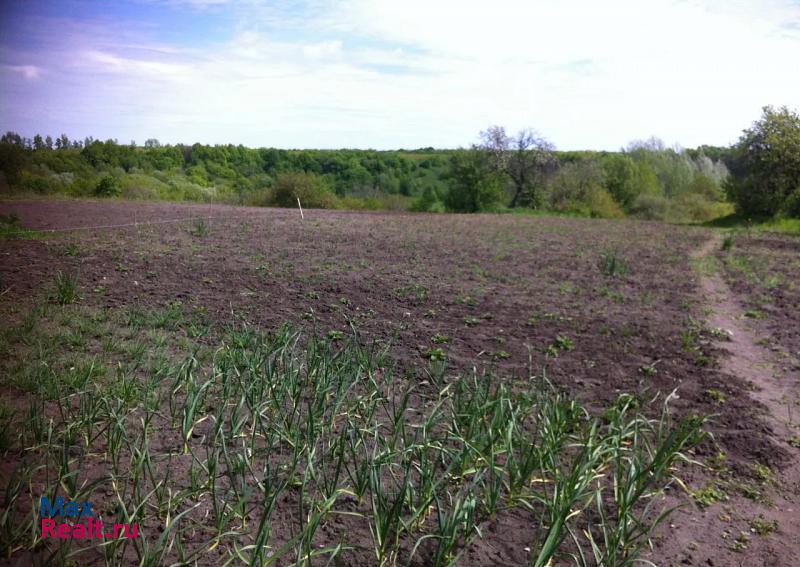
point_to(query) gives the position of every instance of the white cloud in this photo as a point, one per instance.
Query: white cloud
(389, 74)
(27, 71)
(99, 61)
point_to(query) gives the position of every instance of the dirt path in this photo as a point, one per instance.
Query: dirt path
(778, 393)
(746, 358)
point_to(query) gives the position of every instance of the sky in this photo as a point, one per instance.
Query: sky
(396, 74)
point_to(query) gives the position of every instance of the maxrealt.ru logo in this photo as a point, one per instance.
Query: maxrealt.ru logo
(78, 522)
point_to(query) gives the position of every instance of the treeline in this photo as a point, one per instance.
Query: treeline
(646, 179)
(760, 175)
(360, 178)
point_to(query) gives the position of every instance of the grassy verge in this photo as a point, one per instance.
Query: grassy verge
(10, 228)
(781, 225)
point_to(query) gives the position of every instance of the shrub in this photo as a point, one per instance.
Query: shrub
(612, 264)
(311, 189)
(9, 225)
(791, 207)
(602, 205)
(108, 186)
(261, 197)
(428, 202)
(650, 207)
(82, 187)
(693, 207)
(143, 186)
(35, 183)
(140, 193)
(705, 186)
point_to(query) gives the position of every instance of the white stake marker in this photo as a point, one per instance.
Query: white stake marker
(301, 208)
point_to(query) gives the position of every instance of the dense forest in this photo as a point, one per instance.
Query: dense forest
(759, 175)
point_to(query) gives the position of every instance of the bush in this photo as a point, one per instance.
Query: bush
(791, 207)
(650, 207)
(602, 205)
(311, 189)
(140, 193)
(705, 186)
(578, 188)
(9, 225)
(35, 184)
(108, 186)
(261, 197)
(428, 202)
(692, 207)
(143, 186)
(82, 187)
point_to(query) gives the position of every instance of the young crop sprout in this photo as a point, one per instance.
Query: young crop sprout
(260, 453)
(612, 264)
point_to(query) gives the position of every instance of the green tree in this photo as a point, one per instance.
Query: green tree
(525, 159)
(621, 179)
(62, 142)
(311, 189)
(428, 202)
(12, 161)
(578, 187)
(108, 186)
(704, 186)
(474, 184)
(765, 165)
(12, 138)
(646, 180)
(673, 169)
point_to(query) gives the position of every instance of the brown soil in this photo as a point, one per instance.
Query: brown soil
(501, 287)
(777, 391)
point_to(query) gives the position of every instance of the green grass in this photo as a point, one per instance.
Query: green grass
(65, 288)
(10, 228)
(736, 221)
(727, 242)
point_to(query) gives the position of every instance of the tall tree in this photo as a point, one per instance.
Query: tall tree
(11, 138)
(525, 159)
(475, 185)
(765, 164)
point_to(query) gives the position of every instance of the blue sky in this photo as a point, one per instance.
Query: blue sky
(356, 73)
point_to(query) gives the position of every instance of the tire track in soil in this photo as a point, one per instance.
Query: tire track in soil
(700, 532)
